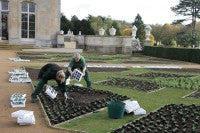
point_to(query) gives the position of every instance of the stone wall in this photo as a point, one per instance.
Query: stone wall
(47, 22)
(105, 44)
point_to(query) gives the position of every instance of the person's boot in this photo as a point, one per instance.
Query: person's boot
(34, 99)
(90, 87)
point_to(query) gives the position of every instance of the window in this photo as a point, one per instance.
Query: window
(4, 6)
(28, 20)
(4, 20)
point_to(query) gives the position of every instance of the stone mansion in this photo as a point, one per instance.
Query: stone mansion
(30, 22)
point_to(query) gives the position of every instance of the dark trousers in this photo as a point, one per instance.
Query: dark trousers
(86, 77)
(44, 81)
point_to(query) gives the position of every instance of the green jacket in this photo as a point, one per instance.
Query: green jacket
(80, 64)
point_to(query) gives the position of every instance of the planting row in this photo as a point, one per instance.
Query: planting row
(82, 101)
(168, 119)
(186, 83)
(164, 75)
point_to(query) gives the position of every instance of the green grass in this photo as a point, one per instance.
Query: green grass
(100, 122)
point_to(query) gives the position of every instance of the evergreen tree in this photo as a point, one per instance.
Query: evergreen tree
(189, 8)
(116, 26)
(140, 28)
(86, 28)
(65, 24)
(76, 25)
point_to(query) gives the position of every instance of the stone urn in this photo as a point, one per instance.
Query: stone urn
(61, 32)
(148, 31)
(112, 31)
(101, 32)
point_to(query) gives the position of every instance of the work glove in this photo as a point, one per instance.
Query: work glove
(65, 95)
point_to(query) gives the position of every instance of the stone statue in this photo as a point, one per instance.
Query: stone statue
(69, 32)
(148, 31)
(134, 30)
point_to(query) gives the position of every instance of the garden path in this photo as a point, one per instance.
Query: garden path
(7, 123)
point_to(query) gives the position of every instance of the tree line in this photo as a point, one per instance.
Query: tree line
(174, 34)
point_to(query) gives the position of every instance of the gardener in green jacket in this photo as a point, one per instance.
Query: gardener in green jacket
(48, 72)
(78, 62)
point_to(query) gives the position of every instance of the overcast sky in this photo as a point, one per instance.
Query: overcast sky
(151, 11)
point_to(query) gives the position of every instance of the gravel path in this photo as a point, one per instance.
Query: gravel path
(7, 123)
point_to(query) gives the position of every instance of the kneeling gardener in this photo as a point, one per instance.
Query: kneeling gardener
(78, 62)
(48, 72)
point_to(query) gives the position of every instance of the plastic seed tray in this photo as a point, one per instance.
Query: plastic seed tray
(18, 100)
(19, 76)
(77, 75)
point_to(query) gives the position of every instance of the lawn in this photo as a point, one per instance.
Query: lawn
(95, 58)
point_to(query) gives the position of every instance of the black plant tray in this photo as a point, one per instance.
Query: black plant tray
(168, 119)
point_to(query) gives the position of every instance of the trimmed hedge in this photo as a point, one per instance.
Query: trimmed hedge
(183, 54)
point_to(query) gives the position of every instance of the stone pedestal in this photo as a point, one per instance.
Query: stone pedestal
(60, 41)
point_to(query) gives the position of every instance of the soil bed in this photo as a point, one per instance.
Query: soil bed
(22, 53)
(29, 57)
(169, 119)
(83, 101)
(152, 62)
(102, 69)
(33, 73)
(164, 75)
(141, 85)
(194, 70)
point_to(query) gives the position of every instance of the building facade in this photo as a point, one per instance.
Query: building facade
(30, 22)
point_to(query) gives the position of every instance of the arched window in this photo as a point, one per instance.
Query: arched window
(4, 20)
(28, 20)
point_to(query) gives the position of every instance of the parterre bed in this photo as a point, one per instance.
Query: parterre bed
(168, 119)
(82, 101)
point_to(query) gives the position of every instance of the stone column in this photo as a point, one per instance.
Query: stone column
(60, 40)
(14, 27)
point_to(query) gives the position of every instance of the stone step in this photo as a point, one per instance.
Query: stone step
(17, 47)
(70, 45)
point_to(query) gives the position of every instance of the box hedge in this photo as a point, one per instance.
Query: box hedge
(183, 54)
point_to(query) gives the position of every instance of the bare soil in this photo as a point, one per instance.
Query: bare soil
(33, 73)
(141, 85)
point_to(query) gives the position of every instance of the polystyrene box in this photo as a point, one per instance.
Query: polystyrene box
(51, 92)
(22, 113)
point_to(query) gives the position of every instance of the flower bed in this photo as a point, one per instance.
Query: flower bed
(168, 119)
(184, 70)
(84, 101)
(141, 85)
